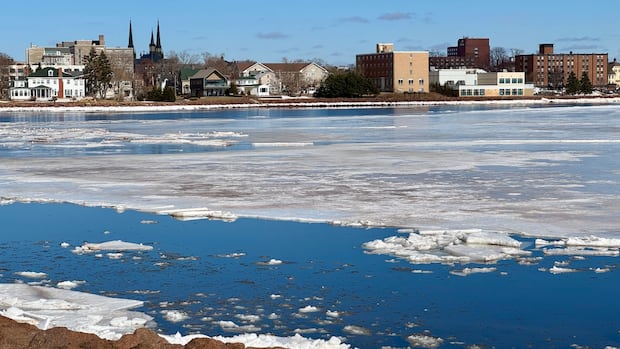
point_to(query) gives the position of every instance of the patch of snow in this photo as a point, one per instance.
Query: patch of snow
(31, 274)
(309, 309)
(116, 245)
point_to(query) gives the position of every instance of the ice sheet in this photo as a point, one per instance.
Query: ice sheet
(48, 307)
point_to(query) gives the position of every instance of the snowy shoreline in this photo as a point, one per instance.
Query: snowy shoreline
(301, 103)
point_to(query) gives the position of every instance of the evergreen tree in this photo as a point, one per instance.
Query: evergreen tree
(98, 73)
(347, 85)
(572, 84)
(585, 86)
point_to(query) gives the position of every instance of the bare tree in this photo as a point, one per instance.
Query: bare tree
(499, 58)
(184, 57)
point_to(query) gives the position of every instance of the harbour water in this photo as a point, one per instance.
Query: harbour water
(530, 173)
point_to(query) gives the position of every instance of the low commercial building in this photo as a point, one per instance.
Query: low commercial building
(498, 84)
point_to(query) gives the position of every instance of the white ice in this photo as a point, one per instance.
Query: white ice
(48, 307)
(115, 245)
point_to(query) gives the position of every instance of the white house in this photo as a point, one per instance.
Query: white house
(49, 84)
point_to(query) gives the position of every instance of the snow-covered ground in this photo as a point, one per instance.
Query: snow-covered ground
(463, 182)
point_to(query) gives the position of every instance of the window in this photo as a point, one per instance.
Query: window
(421, 81)
(507, 92)
(514, 80)
(482, 92)
(400, 81)
(501, 80)
(410, 81)
(520, 80)
(520, 92)
(501, 91)
(50, 73)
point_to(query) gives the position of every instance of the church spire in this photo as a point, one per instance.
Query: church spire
(158, 46)
(130, 44)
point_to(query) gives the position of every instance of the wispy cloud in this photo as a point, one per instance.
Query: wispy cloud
(354, 19)
(396, 16)
(272, 36)
(580, 48)
(578, 39)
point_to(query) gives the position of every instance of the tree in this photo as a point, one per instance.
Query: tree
(572, 84)
(98, 73)
(5, 62)
(347, 85)
(499, 58)
(585, 86)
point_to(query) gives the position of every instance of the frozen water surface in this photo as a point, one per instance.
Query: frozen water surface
(520, 188)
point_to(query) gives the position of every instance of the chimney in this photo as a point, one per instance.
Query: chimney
(101, 40)
(61, 87)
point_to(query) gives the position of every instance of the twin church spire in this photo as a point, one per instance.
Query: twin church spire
(155, 50)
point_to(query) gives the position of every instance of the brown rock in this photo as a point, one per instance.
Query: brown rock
(15, 335)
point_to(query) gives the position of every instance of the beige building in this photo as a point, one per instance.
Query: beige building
(395, 71)
(613, 73)
(498, 84)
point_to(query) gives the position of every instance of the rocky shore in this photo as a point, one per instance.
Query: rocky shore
(15, 335)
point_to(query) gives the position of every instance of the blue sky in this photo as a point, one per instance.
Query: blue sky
(334, 31)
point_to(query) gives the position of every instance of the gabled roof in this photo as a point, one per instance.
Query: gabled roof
(205, 73)
(244, 65)
(44, 73)
(286, 67)
(187, 72)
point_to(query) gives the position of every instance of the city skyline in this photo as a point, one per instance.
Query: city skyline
(331, 31)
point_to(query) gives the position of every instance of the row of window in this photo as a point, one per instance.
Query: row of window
(502, 92)
(401, 81)
(510, 80)
(78, 82)
(31, 93)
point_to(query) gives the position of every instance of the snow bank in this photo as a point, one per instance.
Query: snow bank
(47, 307)
(265, 340)
(199, 213)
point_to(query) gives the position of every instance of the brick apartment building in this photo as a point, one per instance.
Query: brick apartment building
(469, 53)
(395, 71)
(551, 70)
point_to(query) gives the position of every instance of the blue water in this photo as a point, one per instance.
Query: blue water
(517, 306)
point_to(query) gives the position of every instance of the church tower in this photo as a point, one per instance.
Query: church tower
(130, 44)
(152, 46)
(158, 50)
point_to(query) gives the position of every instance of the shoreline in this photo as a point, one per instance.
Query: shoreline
(301, 103)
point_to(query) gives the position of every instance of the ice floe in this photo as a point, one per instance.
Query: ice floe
(423, 340)
(448, 246)
(116, 245)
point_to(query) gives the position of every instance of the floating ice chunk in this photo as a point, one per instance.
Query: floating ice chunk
(309, 309)
(577, 251)
(424, 341)
(332, 313)
(273, 316)
(271, 262)
(148, 221)
(561, 270)
(116, 255)
(275, 296)
(469, 271)
(248, 317)
(230, 326)
(31, 274)
(64, 244)
(174, 315)
(357, 330)
(116, 245)
(231, 255)
(69, 285)
(602, 270)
